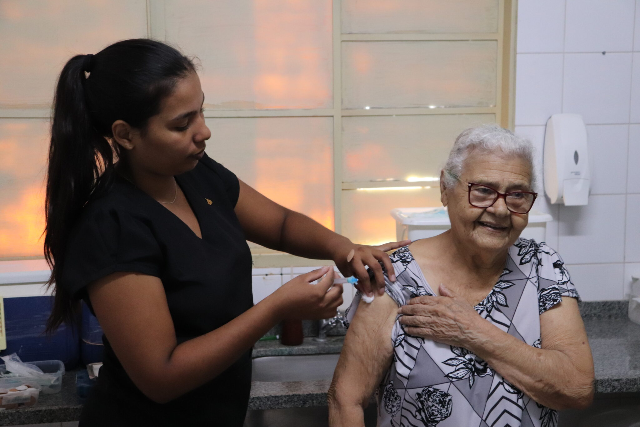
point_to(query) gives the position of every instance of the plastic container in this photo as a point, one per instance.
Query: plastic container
(84, 384)
(48, 386)
(420, 223)
(18, 397)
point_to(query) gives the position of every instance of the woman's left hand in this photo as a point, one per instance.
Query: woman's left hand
(446, 319)
(352, 259)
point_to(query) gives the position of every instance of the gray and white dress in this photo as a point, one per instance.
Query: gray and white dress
(434, 384)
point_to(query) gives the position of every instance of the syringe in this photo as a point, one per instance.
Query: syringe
(354, 281)
(343, 280)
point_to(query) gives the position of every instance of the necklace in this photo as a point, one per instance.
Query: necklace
(175, 196)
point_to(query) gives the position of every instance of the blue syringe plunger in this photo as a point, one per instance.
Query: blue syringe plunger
(341, 280)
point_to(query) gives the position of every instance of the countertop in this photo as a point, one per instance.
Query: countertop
(614, 340)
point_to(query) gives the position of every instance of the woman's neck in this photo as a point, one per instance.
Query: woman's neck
(159, 187)
(482, 263)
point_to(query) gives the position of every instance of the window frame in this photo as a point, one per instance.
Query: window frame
(503, 111)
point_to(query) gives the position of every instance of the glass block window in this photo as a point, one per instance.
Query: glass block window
(341, 110)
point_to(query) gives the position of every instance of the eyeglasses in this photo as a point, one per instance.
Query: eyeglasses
(483, 196)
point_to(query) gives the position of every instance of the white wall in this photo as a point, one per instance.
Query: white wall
(583, 56)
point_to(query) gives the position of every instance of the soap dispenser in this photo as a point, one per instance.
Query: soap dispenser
(567, 177)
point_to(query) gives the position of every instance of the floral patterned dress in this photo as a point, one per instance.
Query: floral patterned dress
(433, 384)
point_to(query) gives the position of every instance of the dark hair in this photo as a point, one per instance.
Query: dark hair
(125, 81)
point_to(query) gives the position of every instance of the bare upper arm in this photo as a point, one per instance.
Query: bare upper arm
(260, 217)
(367, 352)
(133, 312)
(562, 329)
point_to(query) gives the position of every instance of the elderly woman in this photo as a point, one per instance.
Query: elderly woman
(482, 327)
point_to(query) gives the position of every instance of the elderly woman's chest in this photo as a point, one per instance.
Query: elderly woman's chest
(464, 284)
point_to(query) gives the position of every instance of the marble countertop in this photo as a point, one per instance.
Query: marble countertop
(614, 340)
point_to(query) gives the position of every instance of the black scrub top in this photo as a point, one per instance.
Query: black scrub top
(207, 282)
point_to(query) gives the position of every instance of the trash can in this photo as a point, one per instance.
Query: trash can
(420, 223)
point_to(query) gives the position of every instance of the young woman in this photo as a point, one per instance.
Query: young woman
(151, 233)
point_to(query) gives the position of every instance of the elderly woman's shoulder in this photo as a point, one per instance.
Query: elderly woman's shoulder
(529, 250)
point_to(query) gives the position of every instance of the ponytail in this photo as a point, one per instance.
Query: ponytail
(78, 158)
(126, 81)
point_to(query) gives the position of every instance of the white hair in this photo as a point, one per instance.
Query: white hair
(487, 138)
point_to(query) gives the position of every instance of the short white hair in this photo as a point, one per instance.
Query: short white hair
(487, 138)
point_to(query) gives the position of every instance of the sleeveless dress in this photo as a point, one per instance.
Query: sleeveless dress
(433, 384)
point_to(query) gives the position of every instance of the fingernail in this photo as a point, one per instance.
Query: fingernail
(393, 278)
(381, 291)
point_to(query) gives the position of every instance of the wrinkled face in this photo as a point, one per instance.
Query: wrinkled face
(175, 138)
(494, 228)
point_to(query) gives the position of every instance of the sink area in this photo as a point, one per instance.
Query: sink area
(312, 367)
(296, 417)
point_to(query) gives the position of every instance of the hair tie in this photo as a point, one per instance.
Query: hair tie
(87, 65)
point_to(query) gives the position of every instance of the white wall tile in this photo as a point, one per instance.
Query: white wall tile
(265, 271)
(634, 115)
(598, 282)
(631, 270)
(540, 26)
(632, 236)
(288, 277)
(536, 135)
(553, 227)
(593, 233)
(263, 286)
(636, 31)
(302, 270)
(599, 25)
(633, 173)
(608, 146)
(597, 87)
(538, 87)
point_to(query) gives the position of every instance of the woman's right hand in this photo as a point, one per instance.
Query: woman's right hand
(299, 299)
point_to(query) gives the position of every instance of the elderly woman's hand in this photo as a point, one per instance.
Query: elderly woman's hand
(446, 319)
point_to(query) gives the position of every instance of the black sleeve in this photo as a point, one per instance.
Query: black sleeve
(229, 180)
(108, 241)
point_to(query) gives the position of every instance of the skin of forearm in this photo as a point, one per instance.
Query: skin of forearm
(195, 362)
(343, 414)
(365, 357)
(302, 236)
(547, 376)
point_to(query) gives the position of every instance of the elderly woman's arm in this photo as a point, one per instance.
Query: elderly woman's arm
(559, 375)
(365, 357)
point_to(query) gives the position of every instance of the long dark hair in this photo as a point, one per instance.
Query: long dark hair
(125, 81)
